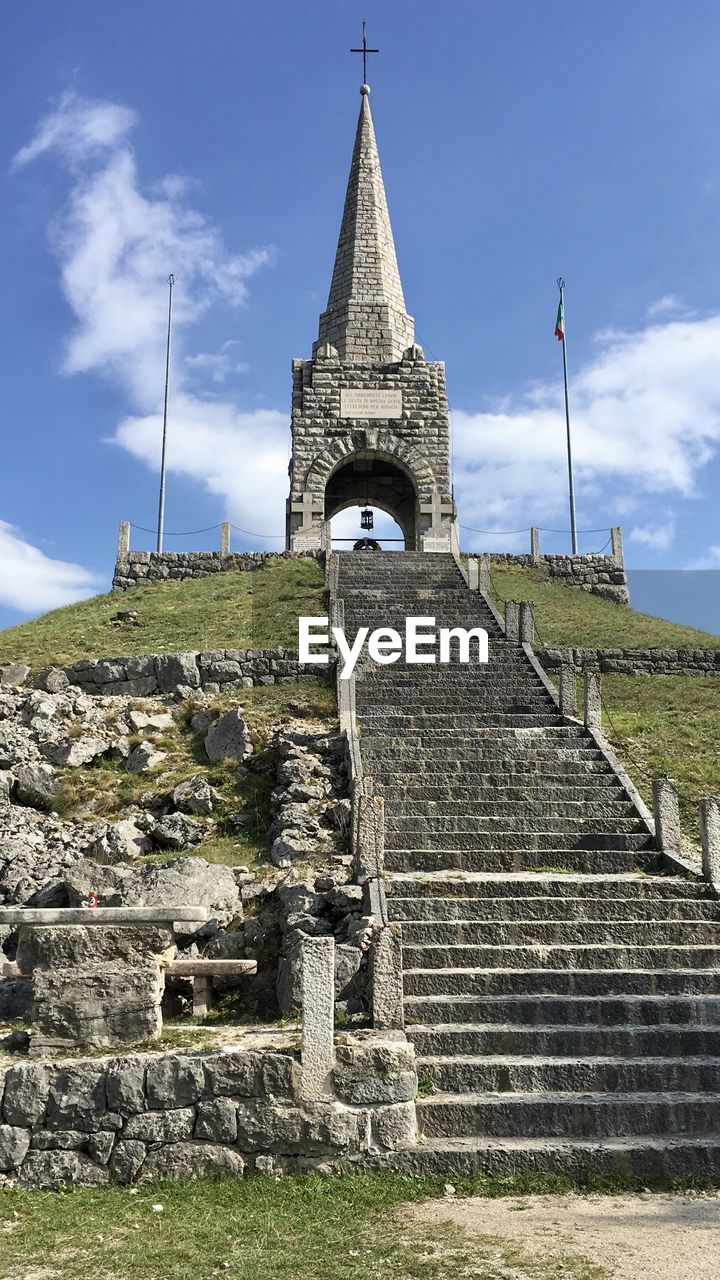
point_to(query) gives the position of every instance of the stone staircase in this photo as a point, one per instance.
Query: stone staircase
(563, 995)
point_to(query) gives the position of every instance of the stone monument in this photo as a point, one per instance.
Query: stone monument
(370, 421)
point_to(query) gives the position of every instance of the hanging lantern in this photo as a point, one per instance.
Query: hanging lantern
(366, 518)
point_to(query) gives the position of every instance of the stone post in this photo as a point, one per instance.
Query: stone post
(527, 623)
(616, 546)
(667, 814)
(224, 539)
(370, 853)
(710, 840)
(512, 623)
(337, 613)
(473, 574)
(593, 702)
(535, 545)
(387, 979)
(123, 543)
(484, 574)
(318, 1017)
(568, 690)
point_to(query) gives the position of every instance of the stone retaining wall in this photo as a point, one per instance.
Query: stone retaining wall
(635, 662)
(600, 575)
(147, 674)
(138, 567)
(88, 1122)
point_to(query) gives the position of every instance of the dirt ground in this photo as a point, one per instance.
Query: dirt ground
(634, 1237)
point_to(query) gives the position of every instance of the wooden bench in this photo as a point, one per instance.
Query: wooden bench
(202, 973)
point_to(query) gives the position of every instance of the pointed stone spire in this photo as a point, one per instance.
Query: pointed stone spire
(365, 319)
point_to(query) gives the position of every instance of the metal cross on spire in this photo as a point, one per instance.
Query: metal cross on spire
(365, 50)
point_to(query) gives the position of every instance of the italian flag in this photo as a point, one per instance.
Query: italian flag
(560, 322)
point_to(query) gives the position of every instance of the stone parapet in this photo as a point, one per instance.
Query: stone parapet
(135, 568)
(141, 676)
(634, 662)
(89, 1122)
(599, 575)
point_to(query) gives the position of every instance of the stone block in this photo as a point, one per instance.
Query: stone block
(14, 1144)
(394, 1128)
(77, 1099)
(192, 1160)
(174, 1081)
(27, 1086)
(125, 1085)
(161, 1126)
(173, 669)
(234, 1074)
(593, 700)
(93, 1006)
(318, 1016)
(710, 840)
(217, 1120)
(50, 1169)
(386, 978)
(126, 1160)
(666, 810)
(370, 1071)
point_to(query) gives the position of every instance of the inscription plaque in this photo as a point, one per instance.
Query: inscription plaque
(359, 402)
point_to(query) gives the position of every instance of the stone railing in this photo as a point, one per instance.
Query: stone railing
(634, 662)
(148, 674)
(134, 568)
(367, 843)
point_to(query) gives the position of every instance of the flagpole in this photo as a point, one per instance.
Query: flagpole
(161, 506)
(571, 487)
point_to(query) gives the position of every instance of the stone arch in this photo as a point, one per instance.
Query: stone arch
(376, 479)
(379, 443)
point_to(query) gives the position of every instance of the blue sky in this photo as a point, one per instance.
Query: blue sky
(518, 141)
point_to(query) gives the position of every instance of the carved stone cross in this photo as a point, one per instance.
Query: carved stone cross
(436, 509)
(310, 505)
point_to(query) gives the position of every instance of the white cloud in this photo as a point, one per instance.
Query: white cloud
(645, 419)
(668, 305)
(241, 457)
(656, 537)
(218, 365)
(711, 560)
(30, 581)
(117, 244)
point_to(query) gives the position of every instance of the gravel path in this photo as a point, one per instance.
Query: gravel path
(635, 1237)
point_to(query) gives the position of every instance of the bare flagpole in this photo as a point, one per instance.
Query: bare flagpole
(161, 507)
(560, 333)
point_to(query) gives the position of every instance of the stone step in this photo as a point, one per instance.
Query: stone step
(509, 820)
(529, 884)
(424, 730)
(420, 836)
(592, 807)
(451, 1040)
(563, 1114)
(589, 770)
(407, 758)
(516, 860)
(552, 933)
(608, 1074)
(553, 981)
(598, 788)
(560, 956)
(527, 1012)
(647, 1158)
(544, 908)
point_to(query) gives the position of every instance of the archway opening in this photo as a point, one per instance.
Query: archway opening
(375, 482)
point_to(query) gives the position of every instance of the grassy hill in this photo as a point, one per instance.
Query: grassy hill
(566, 616)
(666, 725)
(228, 610)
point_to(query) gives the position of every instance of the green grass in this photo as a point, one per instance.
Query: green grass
(567, 616)
(301, 1228)
(669, 727)
(228, 610)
